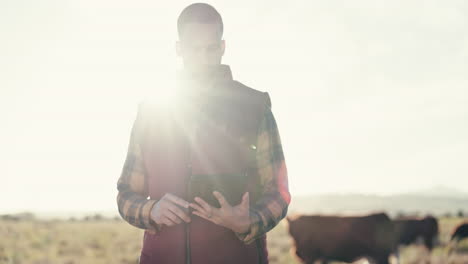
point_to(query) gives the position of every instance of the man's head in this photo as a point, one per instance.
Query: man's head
(200, 44)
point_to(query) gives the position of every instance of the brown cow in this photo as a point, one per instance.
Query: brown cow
(408, 230)
(460, 233)
(344, 239)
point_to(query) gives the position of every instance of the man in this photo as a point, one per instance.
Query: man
(207, 179)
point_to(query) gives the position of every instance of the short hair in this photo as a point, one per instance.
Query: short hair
(199, 13)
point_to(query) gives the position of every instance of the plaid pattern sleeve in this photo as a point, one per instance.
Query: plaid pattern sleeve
(273, 204)
(132, 199)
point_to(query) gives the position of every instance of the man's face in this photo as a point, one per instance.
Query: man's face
(200, 45)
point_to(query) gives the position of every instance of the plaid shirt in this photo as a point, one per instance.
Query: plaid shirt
(135, 206)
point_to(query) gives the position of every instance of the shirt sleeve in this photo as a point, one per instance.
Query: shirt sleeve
(132, 199)
(271, 167)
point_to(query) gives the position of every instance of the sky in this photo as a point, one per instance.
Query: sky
(370, 96)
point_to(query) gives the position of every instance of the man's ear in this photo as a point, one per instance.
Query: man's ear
(223, 47)
(178, 49)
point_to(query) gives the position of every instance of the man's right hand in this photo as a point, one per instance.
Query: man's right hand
(168, 210)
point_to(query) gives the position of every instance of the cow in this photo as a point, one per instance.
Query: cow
(342, 238)
(460, 233)
(408, 230)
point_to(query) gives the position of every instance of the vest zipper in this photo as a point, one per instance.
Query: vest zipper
(188, 257)
(188, 254)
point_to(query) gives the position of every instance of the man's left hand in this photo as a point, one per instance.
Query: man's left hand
(236, 218)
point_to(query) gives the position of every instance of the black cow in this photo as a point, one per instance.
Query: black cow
(461, 232)
(408, 230)
(334, 238)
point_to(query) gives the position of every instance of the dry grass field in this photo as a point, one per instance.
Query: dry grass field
(104, 241)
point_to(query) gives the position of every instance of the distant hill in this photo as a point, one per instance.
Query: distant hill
(442, 191)
(420, 203)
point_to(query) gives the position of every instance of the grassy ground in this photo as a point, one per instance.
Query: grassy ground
(114, 241)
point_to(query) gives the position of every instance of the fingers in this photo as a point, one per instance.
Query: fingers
(174, 209)
(198, 208)
(167, 210)
(205, 209)
(222, 201)
(167, 221)
(174, 219)
(177, 200)
(245, 200)
(204, 204)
